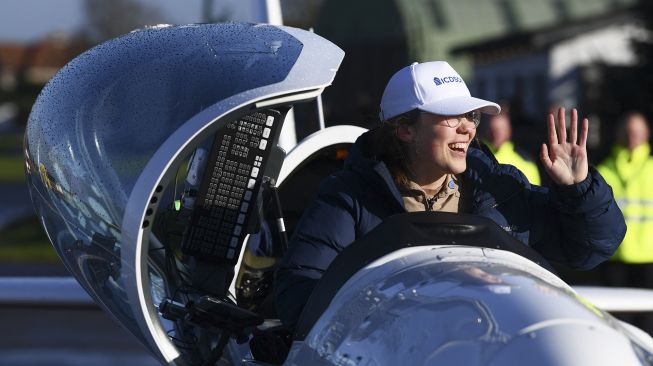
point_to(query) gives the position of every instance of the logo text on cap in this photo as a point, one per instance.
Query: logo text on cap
(447, 79)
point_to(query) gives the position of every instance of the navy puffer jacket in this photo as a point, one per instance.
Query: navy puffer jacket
(579, 226)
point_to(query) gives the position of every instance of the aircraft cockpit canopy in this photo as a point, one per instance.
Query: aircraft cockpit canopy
(147, 156)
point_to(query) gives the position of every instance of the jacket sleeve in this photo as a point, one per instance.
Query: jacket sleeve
(578, 225)
(325, 228)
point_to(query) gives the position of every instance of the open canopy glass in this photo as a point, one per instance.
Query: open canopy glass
(110, 132)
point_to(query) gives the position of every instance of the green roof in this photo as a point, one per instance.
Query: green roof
(431, 28)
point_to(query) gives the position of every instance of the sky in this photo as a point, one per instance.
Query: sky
(31, 20)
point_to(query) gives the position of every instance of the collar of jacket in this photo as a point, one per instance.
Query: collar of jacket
(374, 172)
(492, 184)
(629, 163)
(507, 145)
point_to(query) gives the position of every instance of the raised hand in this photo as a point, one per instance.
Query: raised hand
(566, 161)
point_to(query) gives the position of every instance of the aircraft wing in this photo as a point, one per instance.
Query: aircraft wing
(66, 291)
(613, 299)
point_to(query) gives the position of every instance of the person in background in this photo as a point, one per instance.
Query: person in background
(498, 135)
(629, 171)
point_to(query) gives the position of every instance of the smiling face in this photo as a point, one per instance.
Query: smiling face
(436, 148)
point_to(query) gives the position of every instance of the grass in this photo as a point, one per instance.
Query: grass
(11, 158)
(12, 169)
(26, 242)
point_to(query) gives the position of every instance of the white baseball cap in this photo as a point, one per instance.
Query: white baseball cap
(433, 87)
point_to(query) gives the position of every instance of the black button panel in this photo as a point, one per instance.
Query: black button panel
(230, 186)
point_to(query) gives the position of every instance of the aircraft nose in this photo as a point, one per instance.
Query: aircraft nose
(566, 343)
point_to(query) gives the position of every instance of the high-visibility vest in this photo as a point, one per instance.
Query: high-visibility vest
(630, 174)
(506, 154)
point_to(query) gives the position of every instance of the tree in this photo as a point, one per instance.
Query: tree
(301, 13)
(209, 15)
(109, 19)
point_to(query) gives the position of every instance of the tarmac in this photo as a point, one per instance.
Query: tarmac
(66, 336)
